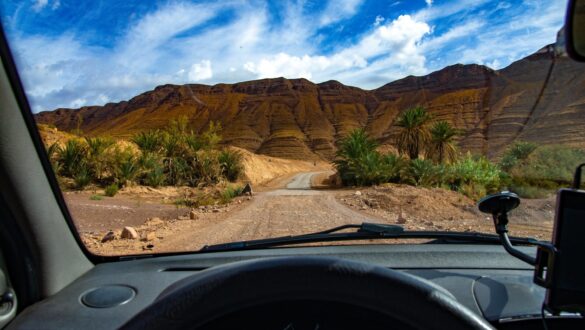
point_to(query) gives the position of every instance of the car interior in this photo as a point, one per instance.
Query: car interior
(50, 280)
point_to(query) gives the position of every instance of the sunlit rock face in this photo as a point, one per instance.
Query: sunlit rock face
(295, 118)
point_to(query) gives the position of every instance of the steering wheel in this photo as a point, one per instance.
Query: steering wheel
(304, 293)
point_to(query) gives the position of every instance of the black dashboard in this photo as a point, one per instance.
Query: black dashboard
(484, 278)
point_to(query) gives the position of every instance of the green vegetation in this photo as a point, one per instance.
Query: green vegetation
(538, 171)
(211, 197)
(96, 197)
(230, 193)
(415, 134)
(516, 153)
(112, 190)
(173, 156)
(526, 169)
(230, 163)
(441, 147)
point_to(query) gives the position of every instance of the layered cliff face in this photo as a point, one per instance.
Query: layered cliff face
(299, 119)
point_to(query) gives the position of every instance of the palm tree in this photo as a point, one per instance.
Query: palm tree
(95, 154)
(149, 141)
(354, 151)
(441, 147)
(415, 133)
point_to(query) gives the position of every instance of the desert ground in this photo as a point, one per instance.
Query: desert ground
(289, 204)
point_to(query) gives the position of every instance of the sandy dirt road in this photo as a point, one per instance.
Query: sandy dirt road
(294, 209)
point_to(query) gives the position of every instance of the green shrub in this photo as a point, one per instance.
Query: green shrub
(188, 202)
(392, 167)
(125, 167)
(422, 172)
(544, 170)
(531, 191)
(73, 158)
(112, 190)
(549, 166)
(172, 145)
(96, 155)
(52, 153)
(230, 163)
(230, 192)
(474, 176)
(155, 177)
(96, 197)
(207, 169)
(356, 152)
(177, 171)
(82, 177)
(518, 152)
(149, 141)
(211, 136)
(359, 163)
(194, 142)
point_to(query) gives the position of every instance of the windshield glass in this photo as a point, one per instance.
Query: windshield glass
(172, 125)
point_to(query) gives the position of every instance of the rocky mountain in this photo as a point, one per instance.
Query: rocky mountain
(295, 118)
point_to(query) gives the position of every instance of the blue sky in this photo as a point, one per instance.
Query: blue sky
(76, 53)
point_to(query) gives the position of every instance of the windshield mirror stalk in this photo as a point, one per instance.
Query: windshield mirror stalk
(498, 205)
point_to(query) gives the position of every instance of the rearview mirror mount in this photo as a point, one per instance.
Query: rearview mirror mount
(498, 205)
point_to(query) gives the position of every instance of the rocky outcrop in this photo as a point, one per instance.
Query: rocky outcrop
(295, 118)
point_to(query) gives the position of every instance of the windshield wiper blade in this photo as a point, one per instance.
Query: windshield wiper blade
(365, 231)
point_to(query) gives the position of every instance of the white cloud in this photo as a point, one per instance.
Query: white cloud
(518, 36)
(429, 2)
(337, 10)
(78, 103)
(447, 9)
(396, 41)
(466, 29)
(379, 20)
(160, 47)
(285, 65)
(495, 64)
(201, 71)
(39, 5)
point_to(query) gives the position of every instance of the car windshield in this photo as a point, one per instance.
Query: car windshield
(171, 125)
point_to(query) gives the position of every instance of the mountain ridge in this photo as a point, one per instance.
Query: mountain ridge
(296, 118)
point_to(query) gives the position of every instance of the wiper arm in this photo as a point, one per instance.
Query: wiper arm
(364, 231)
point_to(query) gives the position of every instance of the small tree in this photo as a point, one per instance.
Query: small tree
(358, 162)
(73, 158)
(231, 164)
(149, 141)
(441, 147)
(95, 155)
(211, 137)
(518, 152)
(415, 133)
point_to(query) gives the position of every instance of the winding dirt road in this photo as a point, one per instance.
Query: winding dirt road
(296, 209)
(292, 209)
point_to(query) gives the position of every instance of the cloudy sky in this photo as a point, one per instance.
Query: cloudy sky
(76, 53)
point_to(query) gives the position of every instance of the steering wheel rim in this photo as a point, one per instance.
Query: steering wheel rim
(216, 292)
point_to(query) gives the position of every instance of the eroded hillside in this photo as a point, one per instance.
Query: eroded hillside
(295, 118)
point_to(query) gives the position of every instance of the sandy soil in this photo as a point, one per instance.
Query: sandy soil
(438, 209)
(285, 206)
(263, 170)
